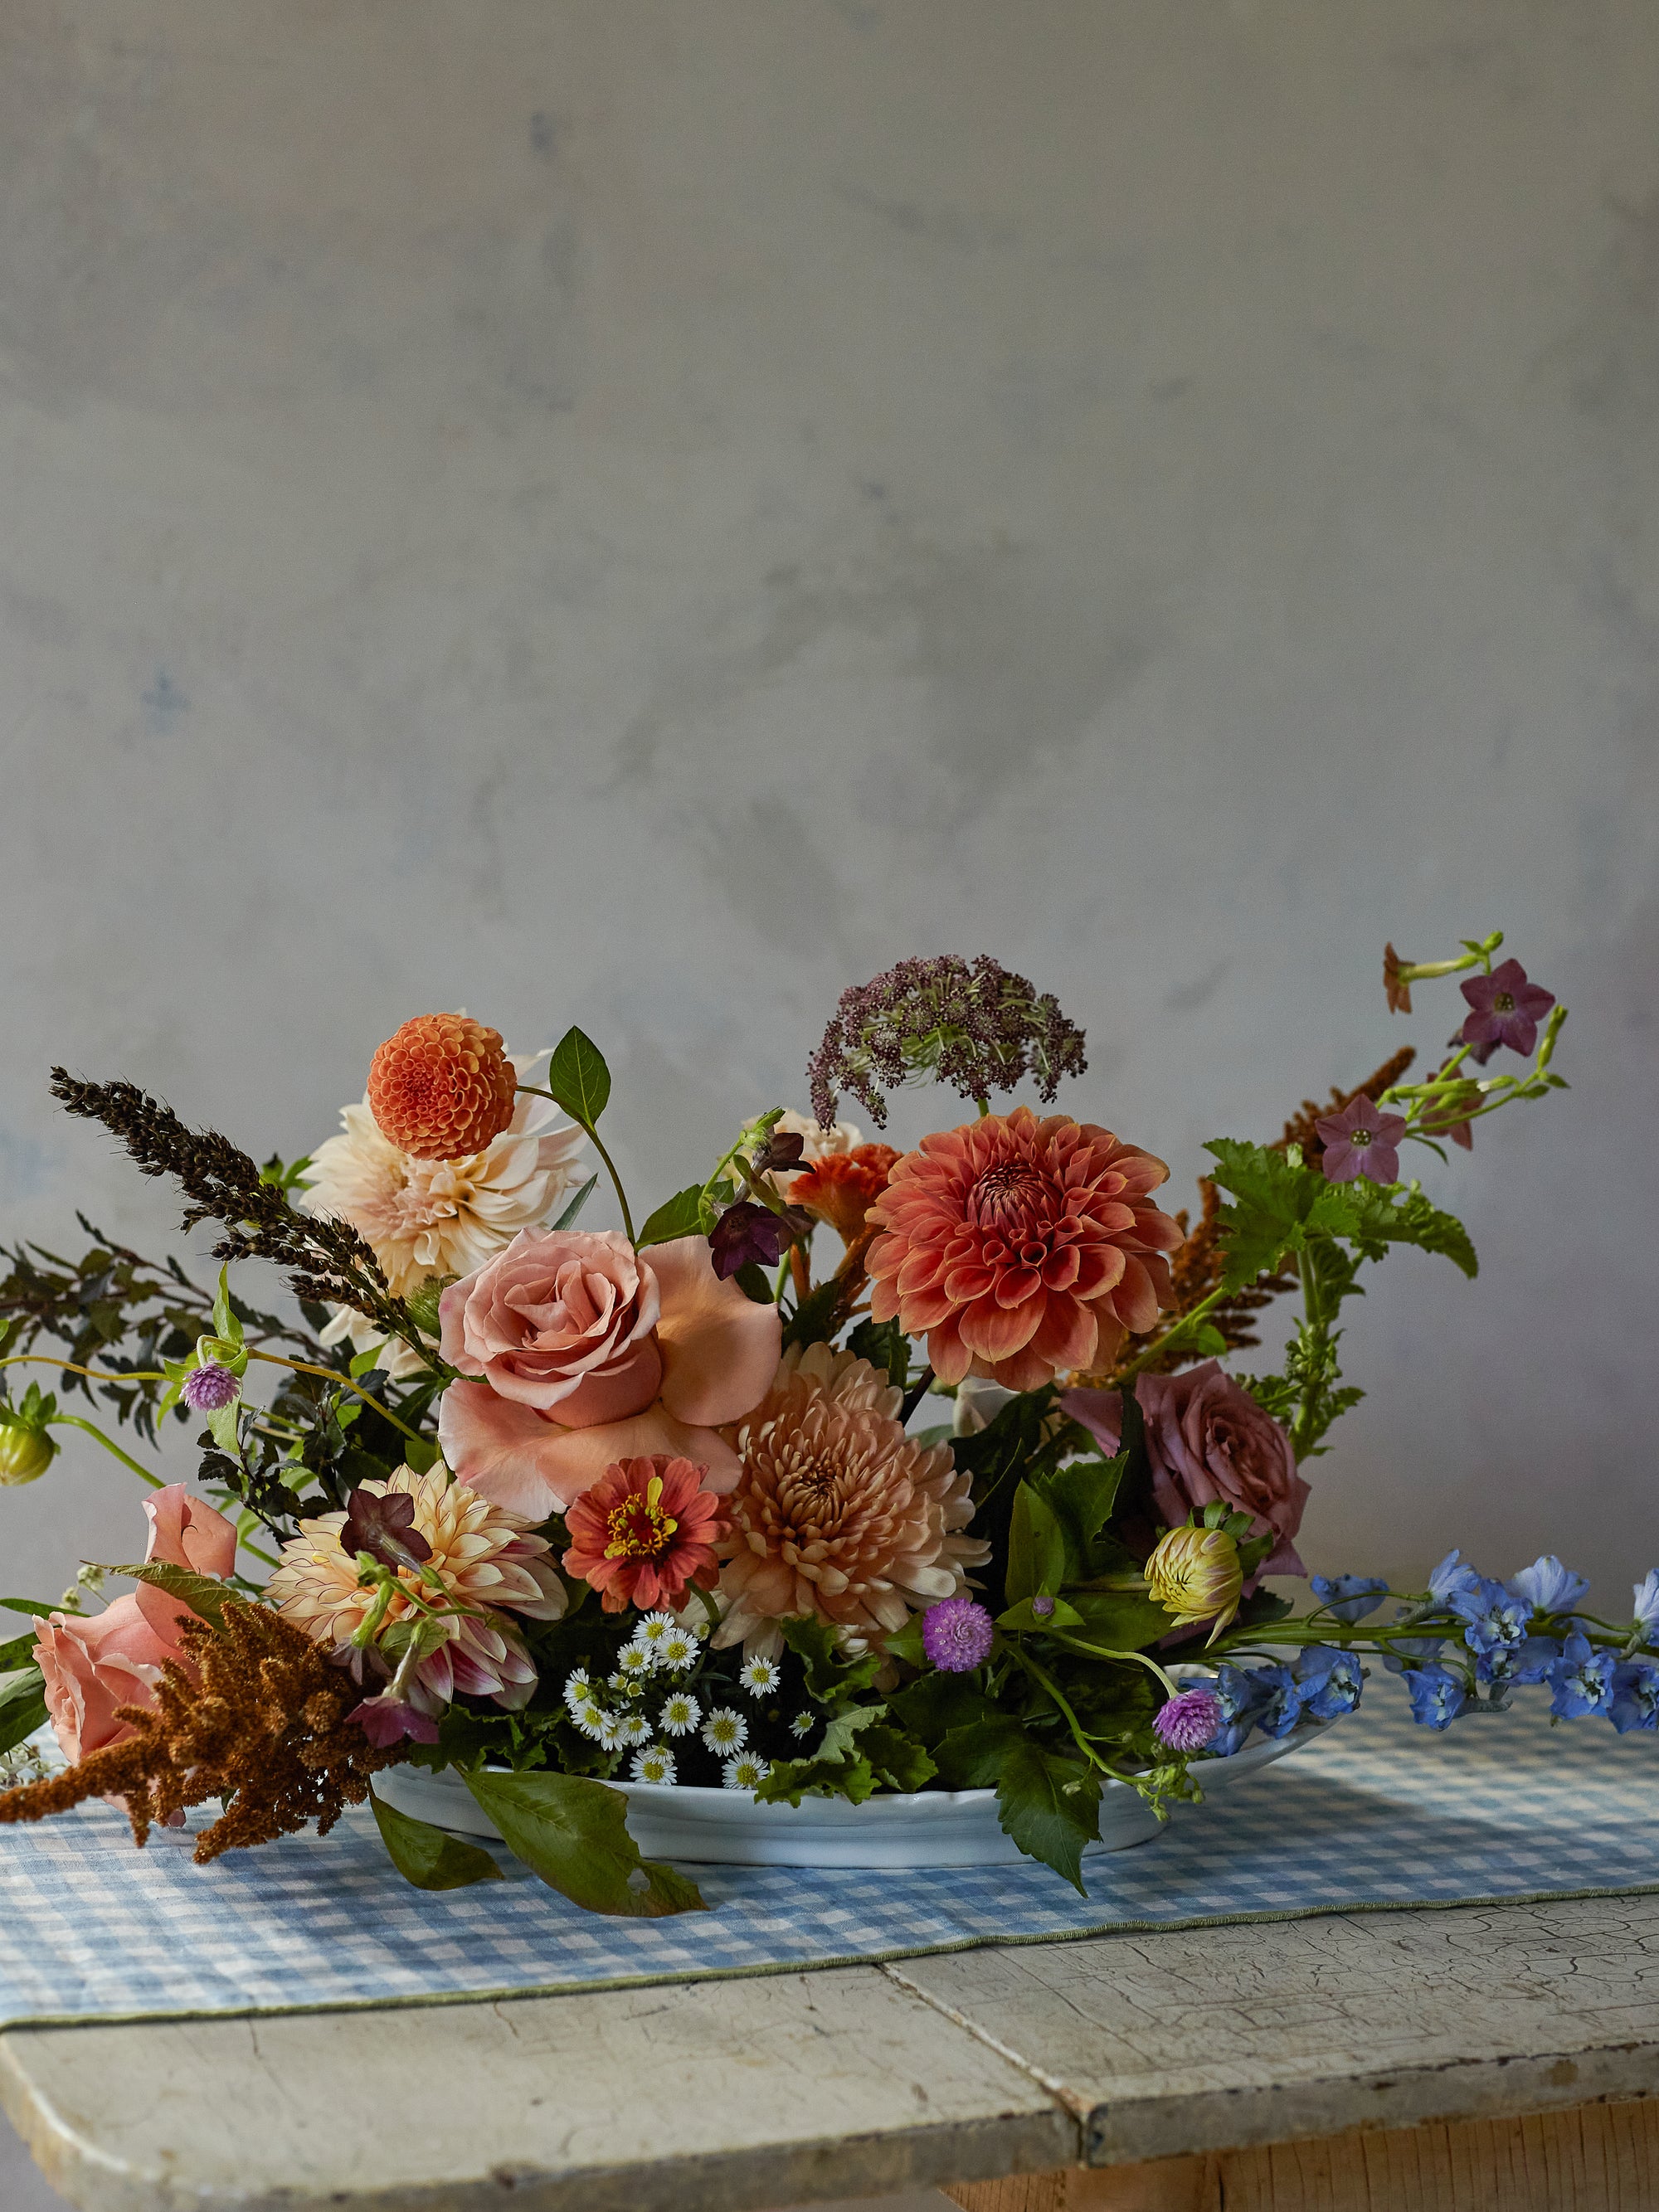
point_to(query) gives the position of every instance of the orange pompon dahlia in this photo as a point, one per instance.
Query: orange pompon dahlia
(839, 1513)
(1021, 1248)
(840, 1187)
(442, 1088)
(644, 1530)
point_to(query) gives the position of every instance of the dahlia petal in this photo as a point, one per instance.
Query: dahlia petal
(720, 1348)
(997, 1331)
(917, 1316)
(509, 1455)
(1067, 1335)
(947, 1355)
(1135, 1301)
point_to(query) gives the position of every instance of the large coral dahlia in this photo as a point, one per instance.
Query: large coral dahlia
(1020, 1248)
(838, 1513)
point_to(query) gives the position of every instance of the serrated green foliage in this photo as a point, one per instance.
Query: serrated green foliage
(427, 1856)
(931, 1707)
(578, 1077)
(886, 1347)
(788, 1780)
(683, 1215)
(970, 1757)
(574, 1834)
(1080, 1496)
(831, 1679)
(814, 1318)
(1049, 1804)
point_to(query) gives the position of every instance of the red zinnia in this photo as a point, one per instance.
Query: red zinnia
(644, 1530)
(840, 1187)
(1021, 1247)
(442, 1088)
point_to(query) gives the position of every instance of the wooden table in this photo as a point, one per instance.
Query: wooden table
(1425, 2061)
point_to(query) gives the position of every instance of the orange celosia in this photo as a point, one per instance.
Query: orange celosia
(840, 1187)
(443, 1087)
(1021, 1247)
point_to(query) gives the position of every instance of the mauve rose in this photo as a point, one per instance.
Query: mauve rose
(188, 1532)
(565, 1320)
(1207, 1439)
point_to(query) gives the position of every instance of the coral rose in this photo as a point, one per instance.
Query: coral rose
(93, 1664)
(1208, 1440)
(644, 1530)
(443, 1087)
(840, 1187)
(589, 1352)
(1021, 1247)
(839, 1513)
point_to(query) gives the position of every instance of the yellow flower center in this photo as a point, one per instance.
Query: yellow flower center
(638, 1528)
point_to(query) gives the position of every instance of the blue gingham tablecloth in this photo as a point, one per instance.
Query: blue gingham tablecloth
(1375, 1813)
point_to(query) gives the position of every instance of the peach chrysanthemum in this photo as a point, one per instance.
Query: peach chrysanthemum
(483, 1560)
(441, 1087)
(838, 1512)
(1021, 1247)
(424, 1218)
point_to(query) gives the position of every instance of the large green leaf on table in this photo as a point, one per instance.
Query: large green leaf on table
(1050, 1805)
(574, 1834)
(1121, 1620)
(687, 1213)
(427, 1856)
(831, 1678)
(22, 1705)
(578, 1077)
(203, 1594)
(1037, 1548)
(1373, 1218)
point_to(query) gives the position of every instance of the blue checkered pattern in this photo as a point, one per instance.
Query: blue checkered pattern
(1375, 1813)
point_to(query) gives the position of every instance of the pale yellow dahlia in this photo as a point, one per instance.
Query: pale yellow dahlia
(839, 1513)
(483, 1561)
(425, 1218)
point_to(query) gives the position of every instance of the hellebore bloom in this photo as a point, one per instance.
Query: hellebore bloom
(1635, 1702)
(1329, 1681)
(386, 1720)
(1548, 1587)
(1507, 1008)
(957, 1635)
(1190, 1720)
(1349, 1597)
(1360, 1141)
(1438, 1696)
(1581, 1679)
(383, 1525)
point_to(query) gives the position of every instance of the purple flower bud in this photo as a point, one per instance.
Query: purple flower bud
(957, 1635)
(1042, 1606)
(210, 1389)
(385, 1720)
(1188, 1721)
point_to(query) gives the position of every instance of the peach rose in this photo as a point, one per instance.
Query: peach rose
(585, 1353)
(91, 1664)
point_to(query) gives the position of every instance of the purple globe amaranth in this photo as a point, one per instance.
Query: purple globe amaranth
(210, 1388)
(1190, 1720)
(957, 1635)
(1506, 1009)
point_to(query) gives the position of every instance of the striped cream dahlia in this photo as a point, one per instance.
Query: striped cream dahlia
(838, 1512)
(485, 1562)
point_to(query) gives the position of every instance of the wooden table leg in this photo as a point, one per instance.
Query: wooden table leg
(1597, 2158)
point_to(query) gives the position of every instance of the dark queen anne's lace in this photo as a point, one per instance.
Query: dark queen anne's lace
(967, 1022)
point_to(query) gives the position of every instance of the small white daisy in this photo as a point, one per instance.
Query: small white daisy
(758, 1676)
(724, 1731)
(677, 1650)
(635, 1729)
(653, 1628)
(803, 1724)
(747, 1772)
(609, 1730)
(634, 1660)
(586, 1715)
(680, 1714)
(578, 1683)
(654, 1765)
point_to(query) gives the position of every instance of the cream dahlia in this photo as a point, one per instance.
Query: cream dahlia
(837, 1511)
(484, 1562)
(424, 1218)
(1021, 1247)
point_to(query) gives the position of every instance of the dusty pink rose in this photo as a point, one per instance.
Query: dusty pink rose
(1207, 1439)
(93, 1663)
(188, 1532)
(589, 1352)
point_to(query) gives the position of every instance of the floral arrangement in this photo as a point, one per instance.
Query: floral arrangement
(566, 1507)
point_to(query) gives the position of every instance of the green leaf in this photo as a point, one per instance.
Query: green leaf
(679, 1216)
(931, 1708)
(971, 1757)
(567, 1219)
(896, 1758)
(1275, 1195)
(906, 1643)
(23, 1709)
(839, 1739)
(1021, 1616)
(28, 1605)
(17, 1653)
(578, 1077)
(886, 1347)
(809, 1323)
(1123, 1620)
(1050, 1805)
(226, 1327)
(831, 1679)
(751, 1279)
(1036, 1547)
(788, 1780)
(427, 1856)
(574, 1834)
(203, 1595)
(1374, 1219)
(1081, 1495)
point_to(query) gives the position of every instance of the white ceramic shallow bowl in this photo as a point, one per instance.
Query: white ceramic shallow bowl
(727, 1828)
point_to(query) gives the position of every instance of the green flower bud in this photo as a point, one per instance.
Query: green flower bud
(25, 1453)
(1196, 1575)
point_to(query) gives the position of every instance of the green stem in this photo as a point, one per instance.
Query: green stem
(588, 1130)
(1100, 1651)
(74, 1421)
(1047, 1683)
(146, 1375)
(1170, 1338)
(344, 1382)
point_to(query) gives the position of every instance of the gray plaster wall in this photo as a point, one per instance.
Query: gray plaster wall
(642, 512)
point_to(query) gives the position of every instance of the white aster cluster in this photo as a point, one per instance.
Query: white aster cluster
(652, 1667)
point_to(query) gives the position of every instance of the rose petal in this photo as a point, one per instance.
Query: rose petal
(720, 1347)
(510, 1455)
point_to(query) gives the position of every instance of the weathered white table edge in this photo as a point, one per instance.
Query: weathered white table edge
(855, 2080)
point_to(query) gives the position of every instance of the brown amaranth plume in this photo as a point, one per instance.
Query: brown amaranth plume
(266, 1727)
